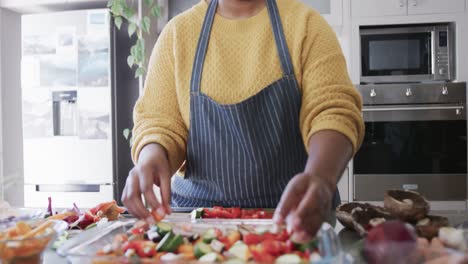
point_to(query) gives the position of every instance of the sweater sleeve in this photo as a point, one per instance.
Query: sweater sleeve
(330, 101)
(156, 115)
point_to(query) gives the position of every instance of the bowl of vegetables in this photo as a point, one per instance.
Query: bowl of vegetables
(26, 241)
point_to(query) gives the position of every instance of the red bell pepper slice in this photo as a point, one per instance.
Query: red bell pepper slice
(253, 239)
(260, 256)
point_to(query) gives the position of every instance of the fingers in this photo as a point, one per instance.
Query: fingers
(165, 188)
(146, 186)
(308, 216)
(290, 199)
(132, 197)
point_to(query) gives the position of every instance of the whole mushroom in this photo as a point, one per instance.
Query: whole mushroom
(429, 227)
(408, 206)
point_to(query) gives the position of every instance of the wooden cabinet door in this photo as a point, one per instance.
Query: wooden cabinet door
(417, 7)
(371, 8)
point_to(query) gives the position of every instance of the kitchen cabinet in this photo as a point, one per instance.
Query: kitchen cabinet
(417, 7)
(331, 10)
(373, 8)
(369, 8)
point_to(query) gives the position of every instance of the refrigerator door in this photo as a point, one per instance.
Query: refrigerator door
(64, 195)
(67, 108)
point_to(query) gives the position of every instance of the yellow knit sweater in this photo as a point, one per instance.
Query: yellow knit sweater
(241, 60)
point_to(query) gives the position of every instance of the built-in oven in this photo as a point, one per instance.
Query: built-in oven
(407, 53)
(415, 139)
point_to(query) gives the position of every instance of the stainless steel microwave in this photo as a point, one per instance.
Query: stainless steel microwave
(407, 53)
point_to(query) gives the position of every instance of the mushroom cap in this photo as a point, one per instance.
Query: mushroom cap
(432, 229)
(362, 219)
(343, 213)
(408, 212)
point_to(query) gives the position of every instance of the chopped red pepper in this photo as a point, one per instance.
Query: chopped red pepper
(273, 247)
(137, 231)
(252, 239)
(235, 212)
(260, 256)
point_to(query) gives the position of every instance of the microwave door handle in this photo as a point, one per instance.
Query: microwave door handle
(413, 108)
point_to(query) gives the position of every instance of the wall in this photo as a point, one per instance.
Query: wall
(10, 83)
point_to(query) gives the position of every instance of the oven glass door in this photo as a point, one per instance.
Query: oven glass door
(396, 54)
(413, 147)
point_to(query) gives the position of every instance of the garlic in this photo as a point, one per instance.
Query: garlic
(424, 222)
(453, 238)
(377, 221)
(408, 202)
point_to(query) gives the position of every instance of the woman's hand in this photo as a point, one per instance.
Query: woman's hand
(152, 168)
(306, 201)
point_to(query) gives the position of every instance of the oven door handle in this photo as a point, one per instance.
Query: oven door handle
(414, 108)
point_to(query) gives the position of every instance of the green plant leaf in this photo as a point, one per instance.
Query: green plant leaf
(118, 22)
(132, 50)
(131, 29)
(128, 13)
(110, 3)
(149, 2)
(139, 51)
(126, 133)
(139, 72)
(156, 11)
(130, 61)
(145, 24)
(117, 9)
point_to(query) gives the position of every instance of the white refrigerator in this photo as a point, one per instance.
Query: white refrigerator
(67, 108)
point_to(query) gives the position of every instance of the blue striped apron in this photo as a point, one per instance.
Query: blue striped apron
(242, 154)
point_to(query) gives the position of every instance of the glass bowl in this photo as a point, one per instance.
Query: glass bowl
(29, 250)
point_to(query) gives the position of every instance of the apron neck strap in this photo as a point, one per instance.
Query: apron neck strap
(202, 46)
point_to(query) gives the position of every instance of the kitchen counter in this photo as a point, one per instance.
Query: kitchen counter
(348, 238)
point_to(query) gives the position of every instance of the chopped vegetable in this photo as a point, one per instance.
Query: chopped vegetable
(157, 217)
(164, 244)
(211, 257)
(209, 235)
(289, 258)
(176, 242)
(217, 246)
(202, 249)
(163, 228)
(240, 250)
(169, 257)
(197, 213)
(231, 213)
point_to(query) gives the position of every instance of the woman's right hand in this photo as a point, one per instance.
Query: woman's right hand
(152, 168)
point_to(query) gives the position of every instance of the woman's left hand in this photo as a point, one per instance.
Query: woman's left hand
(306, 202)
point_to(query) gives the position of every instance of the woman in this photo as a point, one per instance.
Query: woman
(255, 97)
